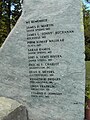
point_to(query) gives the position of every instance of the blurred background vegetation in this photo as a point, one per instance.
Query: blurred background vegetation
(86, 20)
(10, 11)
(86, 16)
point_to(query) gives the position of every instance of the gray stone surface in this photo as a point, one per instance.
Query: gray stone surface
(12, 110)
(42, 60)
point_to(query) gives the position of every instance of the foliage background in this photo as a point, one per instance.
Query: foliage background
(8, 16)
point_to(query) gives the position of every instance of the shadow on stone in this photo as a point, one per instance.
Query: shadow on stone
(12, 110)
(19, 113)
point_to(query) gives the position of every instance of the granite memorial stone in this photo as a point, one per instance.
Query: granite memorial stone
(42, 61)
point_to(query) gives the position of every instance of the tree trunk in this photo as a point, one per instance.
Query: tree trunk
(9, 13)
(0, 9)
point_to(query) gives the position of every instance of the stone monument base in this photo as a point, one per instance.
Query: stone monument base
(12, 110)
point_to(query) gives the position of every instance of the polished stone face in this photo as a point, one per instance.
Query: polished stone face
(42, 60)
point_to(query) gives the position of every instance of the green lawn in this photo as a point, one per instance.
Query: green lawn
(88, 79)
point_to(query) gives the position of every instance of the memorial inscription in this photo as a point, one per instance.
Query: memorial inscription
(43, 60)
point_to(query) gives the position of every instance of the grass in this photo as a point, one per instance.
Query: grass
(88, 79)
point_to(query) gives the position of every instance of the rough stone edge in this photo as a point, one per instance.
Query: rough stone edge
(19, 113)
